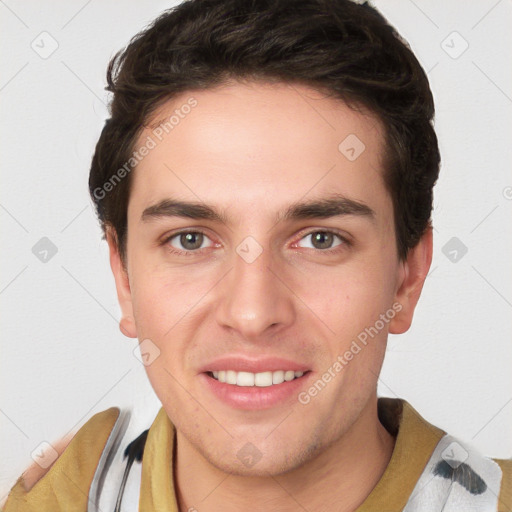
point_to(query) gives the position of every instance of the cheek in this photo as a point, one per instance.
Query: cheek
(349, 297)
(170, 308)
(163, 297)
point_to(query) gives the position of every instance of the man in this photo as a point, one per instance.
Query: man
(265, 188)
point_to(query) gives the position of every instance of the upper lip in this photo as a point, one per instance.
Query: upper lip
(253, 365)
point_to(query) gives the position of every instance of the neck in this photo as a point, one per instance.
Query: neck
(345, 473)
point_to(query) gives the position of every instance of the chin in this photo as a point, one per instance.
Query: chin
(273, 459)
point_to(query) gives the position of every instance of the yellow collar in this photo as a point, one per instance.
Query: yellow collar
(415, 442)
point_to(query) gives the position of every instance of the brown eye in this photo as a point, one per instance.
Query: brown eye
(188, 241)
(191, 241)
(322, 240)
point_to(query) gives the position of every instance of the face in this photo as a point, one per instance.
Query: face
(261, 252)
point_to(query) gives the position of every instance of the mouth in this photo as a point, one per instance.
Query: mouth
(260, 379)
(263, 390)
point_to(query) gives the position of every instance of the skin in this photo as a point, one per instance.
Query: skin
(251, 150)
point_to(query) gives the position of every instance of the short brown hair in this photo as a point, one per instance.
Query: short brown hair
(338, 46)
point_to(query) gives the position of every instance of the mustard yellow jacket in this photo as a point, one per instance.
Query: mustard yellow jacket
(67, 484)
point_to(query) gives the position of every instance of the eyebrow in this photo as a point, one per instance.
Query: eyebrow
(332, 206)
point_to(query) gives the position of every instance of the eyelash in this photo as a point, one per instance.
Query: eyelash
(344, 241)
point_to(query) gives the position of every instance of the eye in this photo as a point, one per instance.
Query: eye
(323, 240)
(188, 241)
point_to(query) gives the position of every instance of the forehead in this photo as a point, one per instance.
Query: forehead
(261, 144)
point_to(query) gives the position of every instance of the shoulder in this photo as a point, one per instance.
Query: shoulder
(505, 496)
(484, 483)
(62, 478)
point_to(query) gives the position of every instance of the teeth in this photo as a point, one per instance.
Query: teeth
(289, 375)
(278, 377)
(262, 379)
(244, 379)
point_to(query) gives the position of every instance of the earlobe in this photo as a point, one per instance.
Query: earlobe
(127, 323)
(414, 272)
(127, 326)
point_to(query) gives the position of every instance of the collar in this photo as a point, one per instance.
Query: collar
(416, 439)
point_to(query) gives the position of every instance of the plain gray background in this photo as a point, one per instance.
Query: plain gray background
(63, 357)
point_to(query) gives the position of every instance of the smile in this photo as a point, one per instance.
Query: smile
(261, 379)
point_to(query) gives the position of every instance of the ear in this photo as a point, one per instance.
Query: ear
(127, 324)
(413, 274)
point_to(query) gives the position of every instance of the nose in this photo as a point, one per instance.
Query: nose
(254, 298)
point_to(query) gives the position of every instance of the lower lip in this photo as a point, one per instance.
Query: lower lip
(254, 397)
